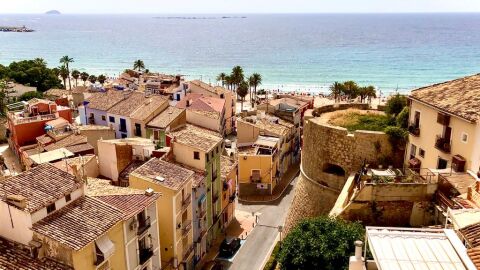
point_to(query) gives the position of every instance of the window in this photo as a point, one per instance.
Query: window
(196, 155)
(111, 119)
(207, 157)
(421, 152)
(104, 118)
(464, 137)
(138, 130)
(413, 151)
(123, 125)
(68, 197)
(442, 163)
(51, 208)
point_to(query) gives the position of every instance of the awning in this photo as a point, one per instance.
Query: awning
(105, 245)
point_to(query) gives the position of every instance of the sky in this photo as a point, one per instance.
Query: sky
(238, 6)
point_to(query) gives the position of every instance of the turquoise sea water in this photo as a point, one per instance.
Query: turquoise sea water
(307, 52)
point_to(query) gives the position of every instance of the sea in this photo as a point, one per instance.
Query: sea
(292, 52)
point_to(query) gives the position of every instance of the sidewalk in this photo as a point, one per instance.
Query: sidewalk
(278, 191)
(240, 227)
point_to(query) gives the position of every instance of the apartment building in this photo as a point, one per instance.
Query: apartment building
(140, 221)
(170, 119)
(200, 148)
(228, 168)
(130, 116)
(205, 111)
(444, 131)
(175, 209)
(94, 110)
(205, 89)
(286, 108)
(49, 213)
(171, 86)
(26, 121)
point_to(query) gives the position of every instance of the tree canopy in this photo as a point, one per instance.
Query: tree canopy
(395, 104)
(320, 243)
(32, 73)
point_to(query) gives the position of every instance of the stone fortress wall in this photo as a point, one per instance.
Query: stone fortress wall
(329, 155)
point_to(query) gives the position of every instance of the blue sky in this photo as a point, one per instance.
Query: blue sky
(238, 6)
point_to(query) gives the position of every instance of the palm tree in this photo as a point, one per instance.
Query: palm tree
(40, 62)
(242, 91)
(63, 72)
(101, 79)
(84, 77)
(92, 78)
(221, 78)
(76, 75)
(255, 81)
(371, 93)
(138, 65)
(237, 75)
(336, 88)
(350, 89)
(229, 82)
(65, 60)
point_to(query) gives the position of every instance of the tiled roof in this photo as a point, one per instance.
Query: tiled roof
(44, 139)
(182, 104)
(474, 254)
(289, 101)
(132, 166)
(54, 92)
(164, 173)
(196, 137)
(198, 175)
(212, 89)
(34, 101)
(131, 204)
(73, 139)
(79, 223)
(93, 127)
(472, 234)
(15, 256)
(41, 186)
(226, 165)
(78, 161)
(282, 128)
(460, 97)
(128, 105)
(209, 114)
(164, 119)
(148, 107)
(80, 89)
(105, 100)
(60, 121)
(79, 148)
(101, 187)
(202, 103)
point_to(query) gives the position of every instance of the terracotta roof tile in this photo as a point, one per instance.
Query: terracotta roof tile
(55, 92)
(164, 119)
(130, 204)
(196, 137)
(73, 139)
(212, 89)
(78, 161)
(41, 186)
(227, 165)
(128, 105)
(80, 148)
(172, 176)
(17, 256)
(105, 100)
(79, 223)
(472, 235)
(198, 175)
(460, 97)
(148, 107)
(474, 254)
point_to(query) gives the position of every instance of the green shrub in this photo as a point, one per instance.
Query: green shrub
(272, 262)
(395, 104)
(397, 134)
(402, 118)
(320, 243)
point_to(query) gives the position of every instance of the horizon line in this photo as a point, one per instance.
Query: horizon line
(252, 13)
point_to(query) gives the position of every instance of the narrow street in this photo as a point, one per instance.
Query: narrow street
(255, 250)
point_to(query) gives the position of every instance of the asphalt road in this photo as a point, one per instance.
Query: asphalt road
(252, 254)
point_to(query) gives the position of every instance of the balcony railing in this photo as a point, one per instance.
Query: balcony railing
(201, 235)
(145, 255)
(214, 198)
(186, 252)
(202, 213)
(414, 130)
(215, 218)
(186, 227)
(186, 201)
(443, 144)
(143, 226)
(16, 119)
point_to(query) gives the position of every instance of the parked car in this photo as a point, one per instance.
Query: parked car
(229, 246)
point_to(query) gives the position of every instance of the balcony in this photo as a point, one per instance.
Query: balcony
(414, 130)
(145, 255)
(186, 252)
(214, 198)
(18, 118)
(143, 226)
(99, 258)
(186, 201)
(443, 144)
(215, 219)
(186, 227)
(202, 213)
(201, 235)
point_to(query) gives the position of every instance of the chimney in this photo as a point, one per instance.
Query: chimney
(356, 262)
(18, 201)
(189, 102)
(149, 192)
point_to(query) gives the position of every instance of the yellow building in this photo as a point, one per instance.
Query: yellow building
(444, 129)
(258, 172)
(228, 167)
(174, 211)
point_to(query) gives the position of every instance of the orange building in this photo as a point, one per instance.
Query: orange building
(26, 121)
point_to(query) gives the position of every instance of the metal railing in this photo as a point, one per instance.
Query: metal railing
(443, 144)
(145, 254)
(414, 129)
(186, 201)
(187, 252)
(22, 120)
(143, 226)
(186, 227)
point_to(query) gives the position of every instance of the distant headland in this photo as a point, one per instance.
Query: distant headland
(53, 12)
(22, 29)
